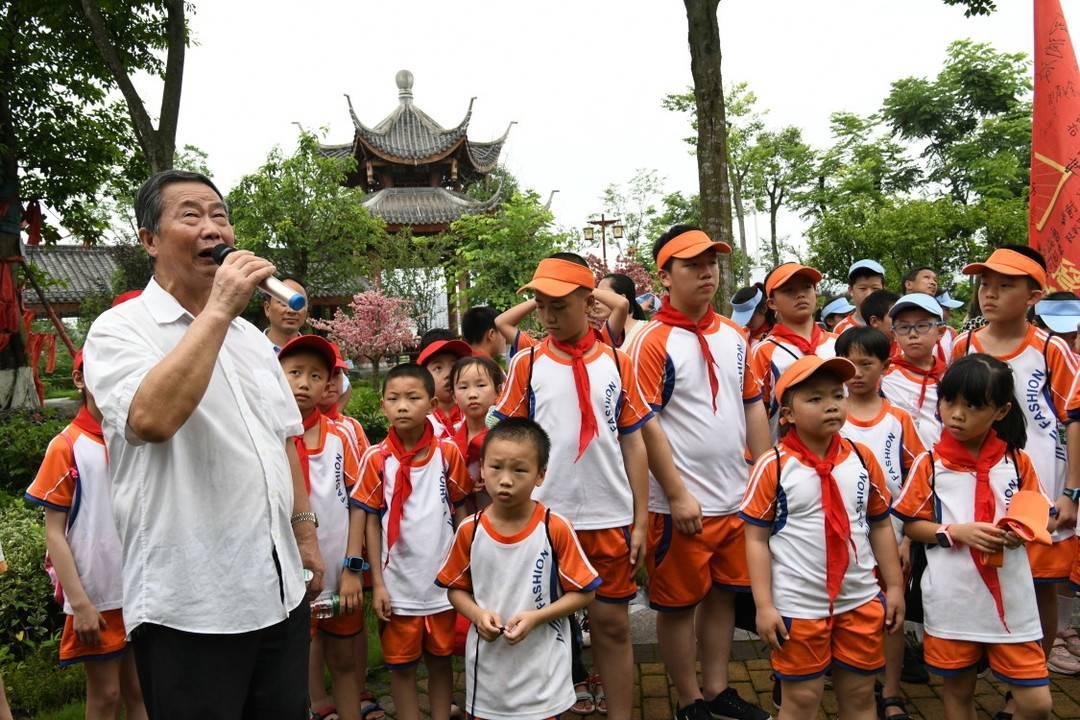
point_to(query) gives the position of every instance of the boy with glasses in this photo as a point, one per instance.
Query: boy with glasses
(911, 380)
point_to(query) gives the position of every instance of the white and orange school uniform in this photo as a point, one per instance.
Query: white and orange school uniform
(785, 494)
(332, 471)
(422, 619)
(74, 479)
(848, 322)
(1044, 371)
(893, 441)
(353, 431)
(916, 394)
(962, 620)
(707, 434)
(590, 488)
(775, 354)
(508, 574)
(444, 422)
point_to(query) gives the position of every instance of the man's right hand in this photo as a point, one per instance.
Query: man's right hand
(236, 280)
(686, 513)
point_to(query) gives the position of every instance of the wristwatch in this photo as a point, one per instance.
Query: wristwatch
(355, 563)
(1072, 493)
(944, 539)
(300, 517)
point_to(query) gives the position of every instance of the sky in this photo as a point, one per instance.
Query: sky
(584, 80)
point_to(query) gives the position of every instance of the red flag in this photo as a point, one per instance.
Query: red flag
(1054, 214)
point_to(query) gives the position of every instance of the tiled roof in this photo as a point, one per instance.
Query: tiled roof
(408, 134)
(336, 151)
(425, 206)
(79, 272)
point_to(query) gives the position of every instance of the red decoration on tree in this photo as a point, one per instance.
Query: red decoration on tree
(375, 326)
(624, 266)
(33, 219)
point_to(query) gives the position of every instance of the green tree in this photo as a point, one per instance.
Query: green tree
(635, 203)
(974, 7)
(781, 170)
(296, 211)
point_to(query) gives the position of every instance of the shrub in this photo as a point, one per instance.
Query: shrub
(365, 405)
(37, 683)
(28, 616)
(23, 439)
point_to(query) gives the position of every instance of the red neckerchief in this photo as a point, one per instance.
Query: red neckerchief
(577, 351)
(310, 421)
(837, 523)
(675, 318)
(448, 420)
(990, 454)
(761, 332)
(470, 449)
(86, 422)
(806, 347)
(935, 373)
(333, 413)
(403, 481)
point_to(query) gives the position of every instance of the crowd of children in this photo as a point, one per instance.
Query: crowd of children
(840, 473)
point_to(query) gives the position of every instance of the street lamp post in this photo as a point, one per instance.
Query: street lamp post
(603, 222)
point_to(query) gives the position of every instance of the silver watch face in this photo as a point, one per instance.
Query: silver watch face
(308, 576)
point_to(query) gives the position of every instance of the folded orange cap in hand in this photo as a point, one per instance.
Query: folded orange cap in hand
(1028, 517)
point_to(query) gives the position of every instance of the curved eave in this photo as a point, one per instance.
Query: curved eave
(410, 136)
(484, 156)
(371, 149)
(424, 207)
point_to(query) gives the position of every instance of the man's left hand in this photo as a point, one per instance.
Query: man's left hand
(1066, 517)
(310, 557)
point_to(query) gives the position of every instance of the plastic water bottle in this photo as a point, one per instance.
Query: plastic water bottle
(327, 607)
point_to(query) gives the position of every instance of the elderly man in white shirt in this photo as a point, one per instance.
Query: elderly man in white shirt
(208, 495)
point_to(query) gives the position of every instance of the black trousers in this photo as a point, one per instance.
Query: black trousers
(260, 674)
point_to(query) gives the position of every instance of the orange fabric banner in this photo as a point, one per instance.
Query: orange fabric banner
(1054, 214)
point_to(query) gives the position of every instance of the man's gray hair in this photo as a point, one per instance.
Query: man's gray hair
(148, 204)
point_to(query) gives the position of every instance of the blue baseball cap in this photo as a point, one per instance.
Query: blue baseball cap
(917, 301)
(947, 302)
(1061, 316)
(742, 312)
(839, 306)
(867, 264)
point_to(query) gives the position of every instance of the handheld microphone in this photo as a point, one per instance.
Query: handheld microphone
(270, 286)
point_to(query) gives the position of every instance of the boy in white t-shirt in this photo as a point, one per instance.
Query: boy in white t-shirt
(517, 572)
(910, 382)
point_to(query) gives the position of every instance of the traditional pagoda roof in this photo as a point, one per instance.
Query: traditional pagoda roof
(426, 206)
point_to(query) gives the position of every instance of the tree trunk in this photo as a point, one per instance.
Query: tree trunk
(740, 215)
(704, 39)
(158, 145)
(774, 208)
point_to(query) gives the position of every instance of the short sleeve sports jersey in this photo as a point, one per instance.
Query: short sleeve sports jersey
(772, 356)
(333, 469)
(439, 485)
(893, 440)
(785, 495)
(354, 433)
(74, 478)
(957, 604)
(507, 575)
(846, 323)
(706, 444)
(944, 347)
(1044, 370)
(593, 492)
(522, 341)
(903, 389)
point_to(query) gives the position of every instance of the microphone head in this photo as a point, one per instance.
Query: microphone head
(297, 302)
(221, 251)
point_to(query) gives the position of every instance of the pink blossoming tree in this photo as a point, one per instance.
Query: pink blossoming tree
(373, 326)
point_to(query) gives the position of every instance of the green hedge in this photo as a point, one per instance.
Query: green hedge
(28, 616)
(37, 683)
(365, 405)
(23, 439)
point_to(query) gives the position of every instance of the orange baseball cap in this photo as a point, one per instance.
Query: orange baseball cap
(806, 366)
(455, 347)
(786, 272)
(559, 278)
(1009, 262)
(688, 245)
(311, 343)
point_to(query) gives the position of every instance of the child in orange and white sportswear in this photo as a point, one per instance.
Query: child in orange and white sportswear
(73, 486)
(1012, 280)
(615, 314)
(864, 277)
(817, 523)
(404, 509)
(330, 470)
(334, 401)
(477, 383)
(891, 436)
(910, 382)
(439, 350)
(517, 572)
(791, 290)
(952, 501)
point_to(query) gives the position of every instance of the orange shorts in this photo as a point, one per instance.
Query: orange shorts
(406, 637)
(1052, 563)
(1014, 663)
(112, 645)
(341, 626)
(852, 640)
(609, 552)
(683, 568)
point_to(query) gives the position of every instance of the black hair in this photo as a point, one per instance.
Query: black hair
(623, 285)
(148, 203)
(490, 366)
(435, 335)
(864, 272)
(410, 370)
(870, 341)
(476, 322)
(673, 232)
(522, 430)
(569, 257)
(911, 274)
(982, 380)
(877, 304)
(747, 293)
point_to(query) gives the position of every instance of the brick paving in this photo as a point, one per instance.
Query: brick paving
(654, 698)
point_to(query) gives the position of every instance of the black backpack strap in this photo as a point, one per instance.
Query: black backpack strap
(776, 454)
(933, 484)
(529, 397)
(554, 556)
(779, 345)
(855, 449)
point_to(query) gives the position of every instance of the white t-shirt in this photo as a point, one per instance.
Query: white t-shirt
(333, 470)
(902, 388)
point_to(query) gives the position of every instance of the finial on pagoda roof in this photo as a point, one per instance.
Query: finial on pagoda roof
(404, 80)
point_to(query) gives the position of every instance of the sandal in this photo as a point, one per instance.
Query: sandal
(370, 709)
(1001, 714)
(327, 713)
(893, 702)
(598, 693)
(584, 704)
